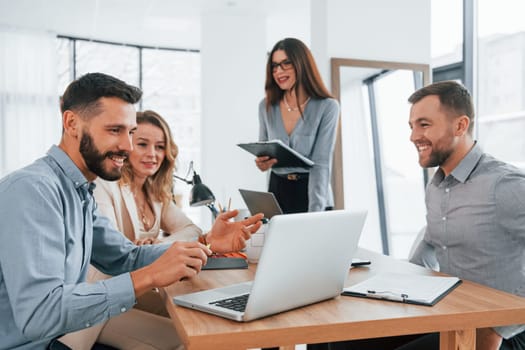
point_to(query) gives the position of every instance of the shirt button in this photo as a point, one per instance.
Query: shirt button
(88, 325)
(447, 190)
(444, 247)
(444, 218)
(123, 309)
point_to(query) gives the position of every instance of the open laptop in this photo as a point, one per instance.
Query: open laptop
(261, 202)
(305, 259)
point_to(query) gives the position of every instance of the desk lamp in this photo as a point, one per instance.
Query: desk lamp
(200, 194)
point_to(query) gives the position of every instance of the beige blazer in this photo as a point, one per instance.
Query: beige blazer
(117, 203)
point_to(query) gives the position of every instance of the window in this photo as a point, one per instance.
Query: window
(499, 82)
(402, 176)
(169, 78)
(389, 182)
(501, 79)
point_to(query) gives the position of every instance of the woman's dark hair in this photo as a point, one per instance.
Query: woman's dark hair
(306, 72)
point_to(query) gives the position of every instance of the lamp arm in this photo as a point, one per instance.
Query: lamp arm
(213, 209)
(182, 179)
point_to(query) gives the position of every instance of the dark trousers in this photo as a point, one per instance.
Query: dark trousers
(517, 342)
(292, 195)
(386, 343)
(57, 345)
(411, 342)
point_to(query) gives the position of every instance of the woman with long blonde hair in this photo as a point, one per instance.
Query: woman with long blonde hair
(141, 203)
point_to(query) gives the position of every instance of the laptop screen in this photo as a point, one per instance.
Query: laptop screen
(261, 202)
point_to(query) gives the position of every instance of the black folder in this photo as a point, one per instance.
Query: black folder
(225, 263)
(286, 156)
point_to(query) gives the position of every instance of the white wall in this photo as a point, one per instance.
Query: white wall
(373, 29)
(233, 58)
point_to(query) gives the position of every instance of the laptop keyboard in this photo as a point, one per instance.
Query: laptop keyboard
(237, 303)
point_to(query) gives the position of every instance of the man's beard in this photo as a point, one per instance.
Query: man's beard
(95, 160)
(438, 157)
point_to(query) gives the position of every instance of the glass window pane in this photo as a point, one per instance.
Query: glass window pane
(117, 60)
(446, 32)
(171, 84)
(360, 187)
(65, 64)
(501, 78)
(402, 176)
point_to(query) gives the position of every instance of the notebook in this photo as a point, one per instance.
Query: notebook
(404, 288)
(305, 259)
(261, 202)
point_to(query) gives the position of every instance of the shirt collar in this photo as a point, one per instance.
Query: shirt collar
(68, 166)
(463, 170)
(467, 164)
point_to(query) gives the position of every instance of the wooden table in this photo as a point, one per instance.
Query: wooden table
(456, 317)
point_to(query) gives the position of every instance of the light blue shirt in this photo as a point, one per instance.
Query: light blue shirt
(476, 225)
(50, 231)
(313, 137)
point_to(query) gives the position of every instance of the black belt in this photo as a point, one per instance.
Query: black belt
(293, 176)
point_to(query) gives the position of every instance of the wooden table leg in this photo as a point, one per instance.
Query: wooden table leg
(464, 339)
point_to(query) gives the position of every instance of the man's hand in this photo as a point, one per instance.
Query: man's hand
(265, 162)
(487, 339)
(230, 236)
(182, 260)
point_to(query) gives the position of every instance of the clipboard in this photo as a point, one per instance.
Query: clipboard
(404, 288)
(286, 156)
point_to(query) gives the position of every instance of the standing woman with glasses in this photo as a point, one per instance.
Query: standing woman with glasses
(299, 111)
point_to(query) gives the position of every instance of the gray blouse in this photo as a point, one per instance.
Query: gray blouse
(313, 137)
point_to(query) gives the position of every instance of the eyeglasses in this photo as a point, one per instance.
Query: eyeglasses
(285, 65)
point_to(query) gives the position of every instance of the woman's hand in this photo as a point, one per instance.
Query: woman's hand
(265, 162)
(230, 236)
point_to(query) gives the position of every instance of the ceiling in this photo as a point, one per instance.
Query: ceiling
(170, 23)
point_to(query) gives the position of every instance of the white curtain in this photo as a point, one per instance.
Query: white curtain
(29, 101)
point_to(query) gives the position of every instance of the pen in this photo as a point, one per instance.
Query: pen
(229, 203)
(387, 295)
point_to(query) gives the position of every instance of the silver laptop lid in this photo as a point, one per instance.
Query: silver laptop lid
(305, 259)
(261, 202)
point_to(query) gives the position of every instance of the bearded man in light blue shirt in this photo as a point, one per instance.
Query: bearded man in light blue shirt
(51, 230)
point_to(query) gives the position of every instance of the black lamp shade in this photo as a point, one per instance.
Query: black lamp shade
(200, 194)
